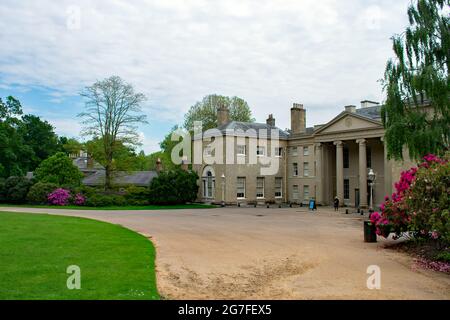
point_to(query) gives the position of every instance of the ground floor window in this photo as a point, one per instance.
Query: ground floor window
(240, 188)
(347, 189)
(260, 188)
(208, 185)
(306, 192)
(278, 187)
(295, 192)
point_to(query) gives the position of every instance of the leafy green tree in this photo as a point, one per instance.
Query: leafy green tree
(15, 190)
(11, 108)
(40, 137)
(70, 145)
(15, 155)
(206, 111)
(113, 111)
(125, 158)
(418, 73)
(174, 187)
(59, 169)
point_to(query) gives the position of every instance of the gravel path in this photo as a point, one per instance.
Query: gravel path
(247, 253)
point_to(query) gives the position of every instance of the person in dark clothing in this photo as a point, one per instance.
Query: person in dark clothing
(336, 204)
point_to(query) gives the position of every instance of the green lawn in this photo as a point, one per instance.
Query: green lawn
(152, 207)
(35, 251)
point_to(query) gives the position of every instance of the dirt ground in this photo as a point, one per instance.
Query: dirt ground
(248, 253)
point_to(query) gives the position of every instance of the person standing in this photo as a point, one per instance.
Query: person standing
(336, 204)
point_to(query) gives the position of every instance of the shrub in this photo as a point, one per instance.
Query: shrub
(420, 204)
(79, 199)
(60, 170)
(174, 187)
(136, 196)
(59, 197)
(15, 190)
(101, 200)
(39, 192)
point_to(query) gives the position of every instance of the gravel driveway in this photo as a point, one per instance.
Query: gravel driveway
(247, 253)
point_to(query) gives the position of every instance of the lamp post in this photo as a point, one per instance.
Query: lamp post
(223, 190)
(371, 176)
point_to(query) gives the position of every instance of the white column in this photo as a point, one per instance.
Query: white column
(319, 173)
(340, 171)
(362, 172)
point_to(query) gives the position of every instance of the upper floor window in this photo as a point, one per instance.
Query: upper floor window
(369, 157)
(306, 151)
(294, 151)
(241, 150)
(306, 169)
(278, 152)
(261, 151)
(208, 151)
(295, 169)
(346, 158)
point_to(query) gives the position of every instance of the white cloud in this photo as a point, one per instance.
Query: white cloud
(272, 52)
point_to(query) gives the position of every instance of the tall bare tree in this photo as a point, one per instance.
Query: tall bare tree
(112, 114)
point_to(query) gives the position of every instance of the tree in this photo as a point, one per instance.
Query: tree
(15, 155)
(419, 73)
(206, 111)
(113, 110)
(174, 187)
(11, 108)
(125, 158)
(70, 145)
(59, 169)
(40, 137)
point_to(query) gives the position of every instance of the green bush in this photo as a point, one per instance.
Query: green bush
(443, 256)
(174, 187)
(60, 170)
(137, 196)
(38, 193)
(15, 190)
(105, 200)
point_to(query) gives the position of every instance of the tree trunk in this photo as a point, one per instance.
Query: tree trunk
(107, 177)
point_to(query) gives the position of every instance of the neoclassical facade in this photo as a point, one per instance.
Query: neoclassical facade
(264, 164)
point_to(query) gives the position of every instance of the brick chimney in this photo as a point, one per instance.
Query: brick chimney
(158, 165)
(368, 104)
(270, 120)
(223, 115)
(298, 119)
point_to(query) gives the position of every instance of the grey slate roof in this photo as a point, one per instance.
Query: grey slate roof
(373, 113)
(246, 128)
(137, 178)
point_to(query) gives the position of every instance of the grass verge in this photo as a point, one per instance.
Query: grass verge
(36, 250)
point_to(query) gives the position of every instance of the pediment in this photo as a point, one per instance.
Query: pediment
(349, 122)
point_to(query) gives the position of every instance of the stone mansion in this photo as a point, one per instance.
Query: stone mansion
(321, 163)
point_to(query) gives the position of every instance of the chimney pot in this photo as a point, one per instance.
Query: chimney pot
(351, 109)
(158, 165)
(271, 120)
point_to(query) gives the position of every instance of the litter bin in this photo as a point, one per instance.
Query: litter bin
(370, 232)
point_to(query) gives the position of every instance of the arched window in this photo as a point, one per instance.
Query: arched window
(208, 183)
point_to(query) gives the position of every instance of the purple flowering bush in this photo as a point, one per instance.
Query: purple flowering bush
(420, 204)
(79, 200)
(59, 197)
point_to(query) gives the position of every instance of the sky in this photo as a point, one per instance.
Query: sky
(272, 53)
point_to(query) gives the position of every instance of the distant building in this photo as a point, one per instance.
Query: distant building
(94, 173)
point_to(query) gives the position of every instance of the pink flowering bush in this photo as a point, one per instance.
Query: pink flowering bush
(59, 197)
(420, 204)
(79, 199)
